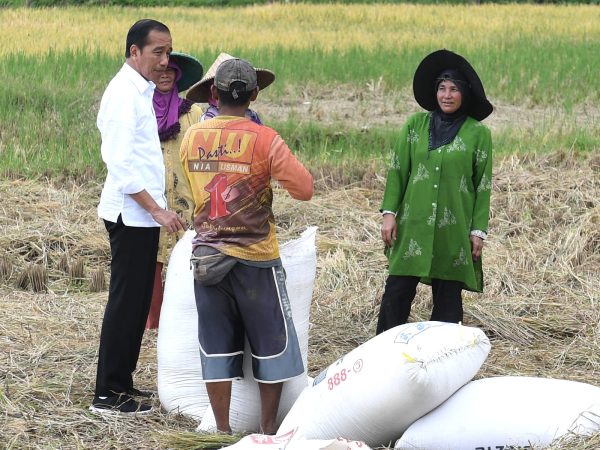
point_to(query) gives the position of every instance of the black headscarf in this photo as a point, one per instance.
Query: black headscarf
(444, 127)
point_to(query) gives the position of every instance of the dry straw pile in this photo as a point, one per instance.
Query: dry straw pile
(540, 307)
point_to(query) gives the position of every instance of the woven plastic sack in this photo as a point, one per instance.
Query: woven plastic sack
(180, 385)
(375, 392)
(284, 442)
(507, 412)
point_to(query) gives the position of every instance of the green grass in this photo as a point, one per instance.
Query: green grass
(48, 105)
(549, 71)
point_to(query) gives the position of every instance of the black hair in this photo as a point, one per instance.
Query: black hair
(226, 97)
(139, 31)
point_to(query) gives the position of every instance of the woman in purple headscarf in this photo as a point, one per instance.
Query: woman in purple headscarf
(174, 116)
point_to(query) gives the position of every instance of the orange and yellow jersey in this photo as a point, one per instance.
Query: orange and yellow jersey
(229, 163)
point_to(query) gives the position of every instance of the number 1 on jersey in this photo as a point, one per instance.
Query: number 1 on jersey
(216, 188)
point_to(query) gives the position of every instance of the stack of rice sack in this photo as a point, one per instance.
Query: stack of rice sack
(376, 391)
(411, 384)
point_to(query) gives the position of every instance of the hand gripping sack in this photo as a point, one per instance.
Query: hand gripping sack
(180, 384)
(507, 412)
(376, 391)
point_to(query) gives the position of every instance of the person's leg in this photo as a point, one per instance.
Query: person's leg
(221, 339)
(397, 299)
(133, 251)
(267, 314)
(219, 394)
(157, 299)
(270, 394)
(447, 301)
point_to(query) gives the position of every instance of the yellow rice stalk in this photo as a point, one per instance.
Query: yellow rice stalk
(302, 26)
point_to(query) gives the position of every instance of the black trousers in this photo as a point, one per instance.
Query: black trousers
(400, 291)
(133, 251)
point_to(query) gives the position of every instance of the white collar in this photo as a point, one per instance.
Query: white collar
(137, 79)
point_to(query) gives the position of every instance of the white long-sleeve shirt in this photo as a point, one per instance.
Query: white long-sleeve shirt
(130, 149)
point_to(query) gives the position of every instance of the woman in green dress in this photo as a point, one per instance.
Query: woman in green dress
(437, 195)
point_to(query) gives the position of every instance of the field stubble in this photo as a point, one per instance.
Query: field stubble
(540, 308)
(373, 105)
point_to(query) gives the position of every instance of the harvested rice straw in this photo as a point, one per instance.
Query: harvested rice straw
(23, 279)
(540, 306)
(6, 269)
(63, 264)
(204, 441)
(38, 276)
(77, 271)
(98, 282)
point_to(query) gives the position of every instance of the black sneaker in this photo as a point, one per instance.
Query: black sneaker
(133, 392)
(119, 404)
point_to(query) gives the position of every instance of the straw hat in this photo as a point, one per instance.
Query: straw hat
(200, 92)
(432, 65)
(191, 69)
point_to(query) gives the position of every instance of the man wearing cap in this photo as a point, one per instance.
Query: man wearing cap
(133, 207)
(239, 282)
(201, 91)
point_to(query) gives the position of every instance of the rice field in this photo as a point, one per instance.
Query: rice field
(519, 49)
(344, 75)
(341, 70)
(328, 28)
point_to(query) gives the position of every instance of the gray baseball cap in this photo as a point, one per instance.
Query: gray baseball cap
(234, 70)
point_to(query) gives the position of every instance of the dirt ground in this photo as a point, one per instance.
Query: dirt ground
(375, 106)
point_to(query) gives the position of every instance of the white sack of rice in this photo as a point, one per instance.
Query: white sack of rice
(179, 379)
(507, 412)
(376, 391)
(180, 384)
(283, 442)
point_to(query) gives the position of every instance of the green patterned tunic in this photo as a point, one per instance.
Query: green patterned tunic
(439, 196)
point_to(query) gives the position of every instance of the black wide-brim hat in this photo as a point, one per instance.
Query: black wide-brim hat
(432, 65)
(191, 70)
(200, 92)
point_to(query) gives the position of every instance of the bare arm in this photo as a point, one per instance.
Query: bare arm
(168, 219)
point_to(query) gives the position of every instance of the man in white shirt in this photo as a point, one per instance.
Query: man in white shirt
(133, 207)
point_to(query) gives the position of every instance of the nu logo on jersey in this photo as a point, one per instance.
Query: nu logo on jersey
(215, 150)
